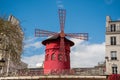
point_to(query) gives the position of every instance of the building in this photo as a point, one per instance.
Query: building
(11, 45)
(97, 70)
(112, 46)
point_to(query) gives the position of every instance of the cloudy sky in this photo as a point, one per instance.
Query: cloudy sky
(81, 16)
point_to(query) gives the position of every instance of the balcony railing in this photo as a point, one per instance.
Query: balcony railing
(108, 30)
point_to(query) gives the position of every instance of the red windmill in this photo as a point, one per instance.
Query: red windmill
(57, 52)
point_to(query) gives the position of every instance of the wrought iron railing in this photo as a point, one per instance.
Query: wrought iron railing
(108, 30)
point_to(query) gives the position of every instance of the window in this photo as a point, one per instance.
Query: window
(47, 57)
(117, 27)
(53, 56)
(67, 56)
(60, 57)
(113, 27)
(114, 69)
(113, 55)
(113, 40)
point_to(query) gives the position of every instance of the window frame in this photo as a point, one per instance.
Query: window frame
(113, 27)
(47, 57)
(113, 55)
(53, 56)
(113, 40)
(114, 69)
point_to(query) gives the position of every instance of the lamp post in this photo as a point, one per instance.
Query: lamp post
(2, 63)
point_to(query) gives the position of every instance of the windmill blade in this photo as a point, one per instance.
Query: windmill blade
(62, 45)
(62, 16)
(62, 48)
(82, 36)
(43, 33)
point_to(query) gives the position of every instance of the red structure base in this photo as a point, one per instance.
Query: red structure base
(114, 77)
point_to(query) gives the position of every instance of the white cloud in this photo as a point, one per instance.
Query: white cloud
(86, 55)
(34, 60)
(32, 46)
(39, 64)
(29, 39)
(60, 4)
(82, 54)
(32, 43)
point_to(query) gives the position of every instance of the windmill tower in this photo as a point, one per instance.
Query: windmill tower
(57, 52)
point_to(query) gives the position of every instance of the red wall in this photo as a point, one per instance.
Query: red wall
(53, 59)
(114, 77)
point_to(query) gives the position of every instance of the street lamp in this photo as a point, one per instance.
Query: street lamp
(2, 63)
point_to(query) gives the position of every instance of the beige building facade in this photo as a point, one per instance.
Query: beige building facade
(112, 46)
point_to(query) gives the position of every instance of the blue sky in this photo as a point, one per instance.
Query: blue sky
(82, 16)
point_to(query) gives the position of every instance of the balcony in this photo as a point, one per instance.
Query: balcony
(109, 31)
